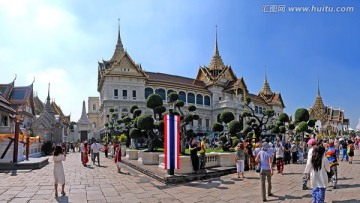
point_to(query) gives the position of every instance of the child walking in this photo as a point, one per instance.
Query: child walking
(59, 175)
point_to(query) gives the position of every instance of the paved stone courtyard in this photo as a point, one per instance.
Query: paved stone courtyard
(104, 184)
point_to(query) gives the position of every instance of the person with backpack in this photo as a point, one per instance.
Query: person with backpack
(350, 151)
(265, 161)
(333, 155)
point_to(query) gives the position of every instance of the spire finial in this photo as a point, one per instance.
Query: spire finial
(318, 87)
(265, 75)
(216, 42)
(119, 38)
(119, 46)
(48, 97)
(15, 78)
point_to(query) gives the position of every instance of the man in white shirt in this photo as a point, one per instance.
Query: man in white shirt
(95, 148)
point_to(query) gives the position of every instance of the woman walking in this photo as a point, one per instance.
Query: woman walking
(279, 155)
(59, 175)
(106, 149)
(117, 158)
(319, 166)
(240, 159)
(350, 151)
(265, 161)
(194, 147)
(85, 158)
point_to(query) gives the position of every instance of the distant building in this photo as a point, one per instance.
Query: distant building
(50, 123)
(46, 120)
(7, 115)
(329, 119)
(123, 83)
(93, 112)
(84, 129)
(20, 100)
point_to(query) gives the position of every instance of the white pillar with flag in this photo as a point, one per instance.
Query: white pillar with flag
(172, 141)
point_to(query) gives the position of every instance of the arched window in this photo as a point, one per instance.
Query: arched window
(207, 100)
(199, 99)
(182, 96)
(191, 98)
(94, 107)
(148, 91)
(161, 92)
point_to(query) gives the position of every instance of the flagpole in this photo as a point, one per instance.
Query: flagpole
(171, 108)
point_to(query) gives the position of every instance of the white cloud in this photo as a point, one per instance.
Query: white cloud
(61, 88)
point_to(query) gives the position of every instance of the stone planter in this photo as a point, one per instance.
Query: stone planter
(149, 158)
(132, 154)
(185, 164)
(226, 159)
(123, 149)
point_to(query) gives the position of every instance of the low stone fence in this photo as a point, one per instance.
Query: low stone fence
(212, 160)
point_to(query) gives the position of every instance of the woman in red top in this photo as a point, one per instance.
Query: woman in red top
(86, 154)
(106, 149)
(117, 158)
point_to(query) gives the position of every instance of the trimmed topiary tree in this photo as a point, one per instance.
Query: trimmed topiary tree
(257, 122)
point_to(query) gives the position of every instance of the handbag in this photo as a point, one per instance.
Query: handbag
(258, 168)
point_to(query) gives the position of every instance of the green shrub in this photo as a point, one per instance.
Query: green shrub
(122, 138)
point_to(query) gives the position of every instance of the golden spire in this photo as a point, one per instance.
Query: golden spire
(119, 46)
(216, 62)
(265, 90)
(216, 51)
(319, 102)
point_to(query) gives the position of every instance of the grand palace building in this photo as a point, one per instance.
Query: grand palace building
(123, 83)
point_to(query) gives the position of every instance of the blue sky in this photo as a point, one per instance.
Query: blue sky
(61, 41)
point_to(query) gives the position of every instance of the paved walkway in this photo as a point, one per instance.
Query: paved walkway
(104, 184)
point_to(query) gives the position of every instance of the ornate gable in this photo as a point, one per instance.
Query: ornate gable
(125, 66)
(216, 73)
(120, 64)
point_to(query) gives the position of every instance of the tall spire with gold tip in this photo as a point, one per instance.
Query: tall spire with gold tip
(119, 46)
(318, 102)
(265, 90)
(216, 62)
(48, 107)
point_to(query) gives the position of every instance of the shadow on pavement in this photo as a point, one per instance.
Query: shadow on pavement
(62, 199)
(342, 186)
(344, 178)
(345, 201)
(292, 173)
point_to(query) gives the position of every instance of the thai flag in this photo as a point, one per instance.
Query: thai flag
(172, 141)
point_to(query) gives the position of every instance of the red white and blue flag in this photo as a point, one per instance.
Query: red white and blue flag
(172, 141)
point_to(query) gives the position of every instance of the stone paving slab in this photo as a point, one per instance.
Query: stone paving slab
(104, 184)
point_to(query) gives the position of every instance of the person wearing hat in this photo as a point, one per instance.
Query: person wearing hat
(312, 144)
(279, 155)
(332, 155)
(265, 162)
